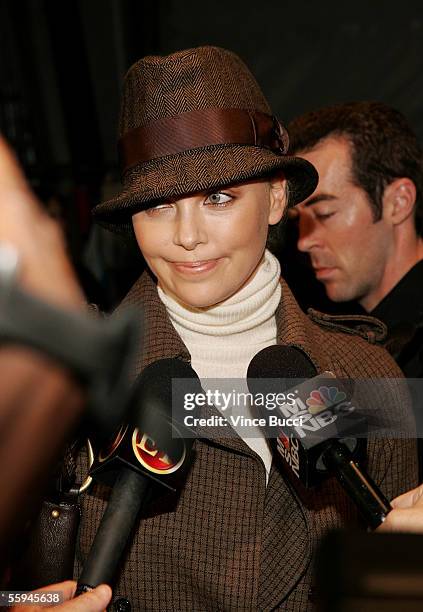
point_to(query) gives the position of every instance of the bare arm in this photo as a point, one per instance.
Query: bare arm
(45, 267)
(39, 400)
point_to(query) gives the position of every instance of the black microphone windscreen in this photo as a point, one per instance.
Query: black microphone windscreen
(153, 388)
(153, 397)
(154, 384)
(281, 361)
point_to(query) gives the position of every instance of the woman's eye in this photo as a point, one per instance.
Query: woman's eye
(218, 199)
(158, 209)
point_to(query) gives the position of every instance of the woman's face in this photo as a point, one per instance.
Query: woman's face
(205, 247)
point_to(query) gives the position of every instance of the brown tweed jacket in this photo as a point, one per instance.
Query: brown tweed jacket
(229, 543)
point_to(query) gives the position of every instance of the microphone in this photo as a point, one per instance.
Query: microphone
(154, 451)
(330, 437)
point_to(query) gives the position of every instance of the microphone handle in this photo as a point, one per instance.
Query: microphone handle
(127, 497)
(369, 499)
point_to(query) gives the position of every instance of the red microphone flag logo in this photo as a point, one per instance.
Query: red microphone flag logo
(151, 457)
(283, 438)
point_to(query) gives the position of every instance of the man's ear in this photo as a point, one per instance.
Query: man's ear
(278, 198)
(399, 199)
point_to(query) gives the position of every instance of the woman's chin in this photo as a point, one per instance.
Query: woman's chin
(197, 299)
(197, 302)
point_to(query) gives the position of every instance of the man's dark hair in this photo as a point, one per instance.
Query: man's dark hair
(383, 147)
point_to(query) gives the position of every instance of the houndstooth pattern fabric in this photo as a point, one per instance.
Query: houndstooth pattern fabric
(228, 543)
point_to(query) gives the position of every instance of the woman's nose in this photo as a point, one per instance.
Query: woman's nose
(190, 228)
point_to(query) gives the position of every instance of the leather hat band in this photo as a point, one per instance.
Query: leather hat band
(201, 128)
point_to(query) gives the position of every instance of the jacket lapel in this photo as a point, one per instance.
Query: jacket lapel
(295, 328)
(287, 539)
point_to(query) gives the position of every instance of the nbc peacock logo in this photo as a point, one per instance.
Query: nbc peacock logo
(323, 398)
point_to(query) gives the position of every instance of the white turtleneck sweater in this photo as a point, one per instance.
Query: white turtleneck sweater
(223, 339)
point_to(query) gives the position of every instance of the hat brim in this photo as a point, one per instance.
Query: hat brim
(199, 170)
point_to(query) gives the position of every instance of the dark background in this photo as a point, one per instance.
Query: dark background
(62, 63)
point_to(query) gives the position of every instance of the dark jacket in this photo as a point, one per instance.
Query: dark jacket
(402, 312)
(229, 542)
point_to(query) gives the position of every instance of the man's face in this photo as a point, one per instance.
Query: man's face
(205, 247)
(348, 250)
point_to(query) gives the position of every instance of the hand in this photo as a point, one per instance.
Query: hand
(45, 269)
(94, 601)
(407, 513)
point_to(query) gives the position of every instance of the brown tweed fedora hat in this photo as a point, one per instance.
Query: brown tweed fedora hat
(193, 121)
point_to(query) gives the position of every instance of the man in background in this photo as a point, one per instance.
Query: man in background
(362, 227)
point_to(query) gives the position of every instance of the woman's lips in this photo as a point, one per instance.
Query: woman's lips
(196, 267)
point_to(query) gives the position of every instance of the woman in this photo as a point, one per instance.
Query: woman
(205, 174)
